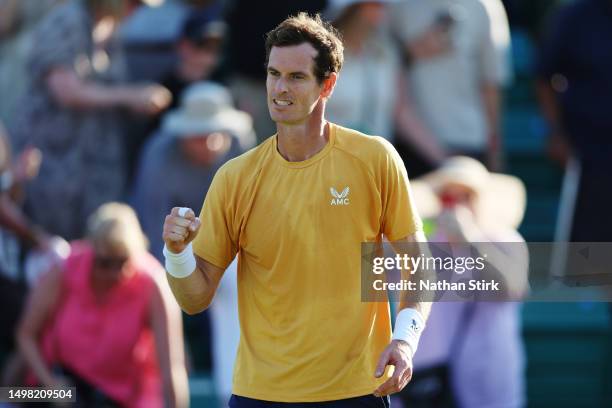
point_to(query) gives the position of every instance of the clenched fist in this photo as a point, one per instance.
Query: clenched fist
(180, 228)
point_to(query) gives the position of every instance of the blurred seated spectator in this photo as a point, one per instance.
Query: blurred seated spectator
(471, 351)
(197, 50)
(70, 113)
(102, 321)
(378, 107)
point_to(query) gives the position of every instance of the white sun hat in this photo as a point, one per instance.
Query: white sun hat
(207, 107)
(500, 198)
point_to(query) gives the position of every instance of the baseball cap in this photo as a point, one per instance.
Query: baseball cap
(200, 27)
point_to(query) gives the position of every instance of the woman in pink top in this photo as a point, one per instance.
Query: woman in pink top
(102, 321)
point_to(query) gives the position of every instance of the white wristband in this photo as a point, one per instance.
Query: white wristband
(182, 264)
(409, 325)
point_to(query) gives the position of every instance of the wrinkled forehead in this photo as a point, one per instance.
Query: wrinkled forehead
(293, 58)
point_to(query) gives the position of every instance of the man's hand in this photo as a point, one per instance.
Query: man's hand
(399, 355)
(180, 228)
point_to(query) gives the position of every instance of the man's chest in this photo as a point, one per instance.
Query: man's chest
(306, 209)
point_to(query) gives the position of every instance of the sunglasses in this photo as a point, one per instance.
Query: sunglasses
(110, 262)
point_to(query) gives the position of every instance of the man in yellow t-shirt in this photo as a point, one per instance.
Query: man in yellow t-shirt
(295, 210)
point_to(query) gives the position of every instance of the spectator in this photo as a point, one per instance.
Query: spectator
(471, 351)
(102, 321)
(575, 92)
(459, 54)
(198, 51)
(70, 113)
(373, 107)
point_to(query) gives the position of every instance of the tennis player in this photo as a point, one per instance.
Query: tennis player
(295, 210)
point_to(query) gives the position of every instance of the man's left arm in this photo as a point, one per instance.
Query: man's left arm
(403, 228)
(409, 322)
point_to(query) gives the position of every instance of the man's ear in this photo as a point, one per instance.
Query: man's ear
(328, 85)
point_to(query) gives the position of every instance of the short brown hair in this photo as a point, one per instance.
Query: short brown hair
(296, 30)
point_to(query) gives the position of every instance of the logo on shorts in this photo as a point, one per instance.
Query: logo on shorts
(339, 198)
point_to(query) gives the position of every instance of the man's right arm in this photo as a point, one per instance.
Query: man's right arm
(195, 292)
(193, 280)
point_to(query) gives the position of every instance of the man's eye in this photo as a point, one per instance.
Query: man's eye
(298, 77)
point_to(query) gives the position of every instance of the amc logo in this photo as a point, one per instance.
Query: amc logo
(339, 198)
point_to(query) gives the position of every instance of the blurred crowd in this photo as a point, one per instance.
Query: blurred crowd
(140, 102)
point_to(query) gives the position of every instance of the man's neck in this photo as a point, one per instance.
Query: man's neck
(300, 142)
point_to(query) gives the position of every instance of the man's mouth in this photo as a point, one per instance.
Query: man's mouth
(281, 102)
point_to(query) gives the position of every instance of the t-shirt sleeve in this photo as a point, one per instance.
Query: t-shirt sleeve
(217, 241)
(400, 217)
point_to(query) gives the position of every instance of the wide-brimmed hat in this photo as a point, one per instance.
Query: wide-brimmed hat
(206, 107)
(500, 198)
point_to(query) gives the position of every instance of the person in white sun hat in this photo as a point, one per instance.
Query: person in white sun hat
(472, 352)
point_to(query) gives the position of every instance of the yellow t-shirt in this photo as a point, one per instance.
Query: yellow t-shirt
(297, 228)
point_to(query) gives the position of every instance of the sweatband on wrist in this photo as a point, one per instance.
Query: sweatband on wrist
(182, 264)
(409, 325)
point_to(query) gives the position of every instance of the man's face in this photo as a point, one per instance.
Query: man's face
(293, 90)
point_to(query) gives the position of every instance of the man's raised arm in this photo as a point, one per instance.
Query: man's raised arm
(193, 280)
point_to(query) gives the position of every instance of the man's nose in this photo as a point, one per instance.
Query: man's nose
(280, 86)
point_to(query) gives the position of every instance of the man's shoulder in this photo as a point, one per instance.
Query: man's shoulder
(367, 148)
(248, 162)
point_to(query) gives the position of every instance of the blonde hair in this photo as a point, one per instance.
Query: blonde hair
(116, 225)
